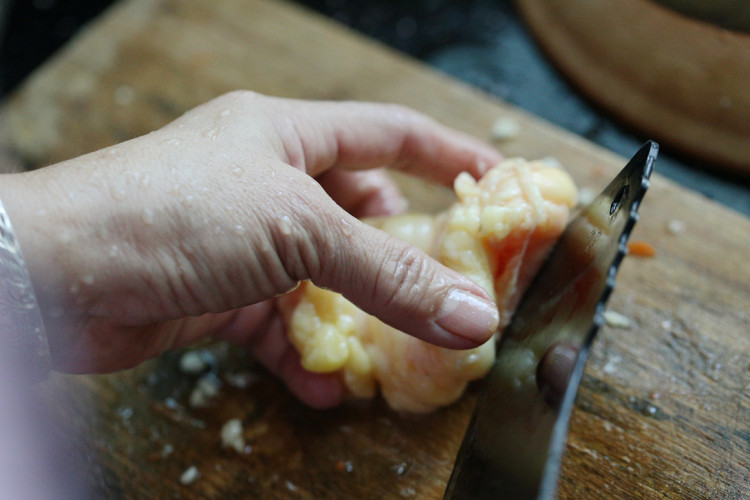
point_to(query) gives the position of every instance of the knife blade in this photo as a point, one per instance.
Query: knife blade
(516, 437)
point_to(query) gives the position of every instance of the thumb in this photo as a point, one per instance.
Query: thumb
(403, 286)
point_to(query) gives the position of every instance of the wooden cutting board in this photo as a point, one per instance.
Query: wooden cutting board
(664, 406)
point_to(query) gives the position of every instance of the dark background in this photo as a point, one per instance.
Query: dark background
(482, 42)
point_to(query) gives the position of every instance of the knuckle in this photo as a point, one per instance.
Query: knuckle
(241, 96)
(302, 235)
(240, 101)
(406, 116)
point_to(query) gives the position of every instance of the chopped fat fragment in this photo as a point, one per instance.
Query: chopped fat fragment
(344, 465)
(125, 412)
(206, 388)
(676, 226)
(616, 320)
(408, 492)
(401, 468)
(611, 366)
(191, 362)
(505, 128)
(240, 380)
(232, 435)
(190, 475)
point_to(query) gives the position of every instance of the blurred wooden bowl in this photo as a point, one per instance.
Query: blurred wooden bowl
(732, 14)
(677, 79)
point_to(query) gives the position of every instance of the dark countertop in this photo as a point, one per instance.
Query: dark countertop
(482, 42)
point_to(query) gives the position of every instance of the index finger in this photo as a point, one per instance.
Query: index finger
(356, 135)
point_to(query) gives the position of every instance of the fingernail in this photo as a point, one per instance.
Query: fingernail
(468, 316)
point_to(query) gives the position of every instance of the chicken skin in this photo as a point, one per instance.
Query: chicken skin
(497, 233)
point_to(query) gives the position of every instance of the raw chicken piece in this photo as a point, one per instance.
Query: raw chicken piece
(497, 233)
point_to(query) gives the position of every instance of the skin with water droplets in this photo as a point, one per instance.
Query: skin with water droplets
(346, 227)
(66, 236)
(212, 133)
(129, 237)
(285, 225)
(118, 193)
(148, 216)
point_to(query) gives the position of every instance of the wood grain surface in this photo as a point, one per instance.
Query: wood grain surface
(664, 407)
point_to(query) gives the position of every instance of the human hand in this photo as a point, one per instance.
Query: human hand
(192, 230)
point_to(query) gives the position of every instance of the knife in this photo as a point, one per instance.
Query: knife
(516, 437)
